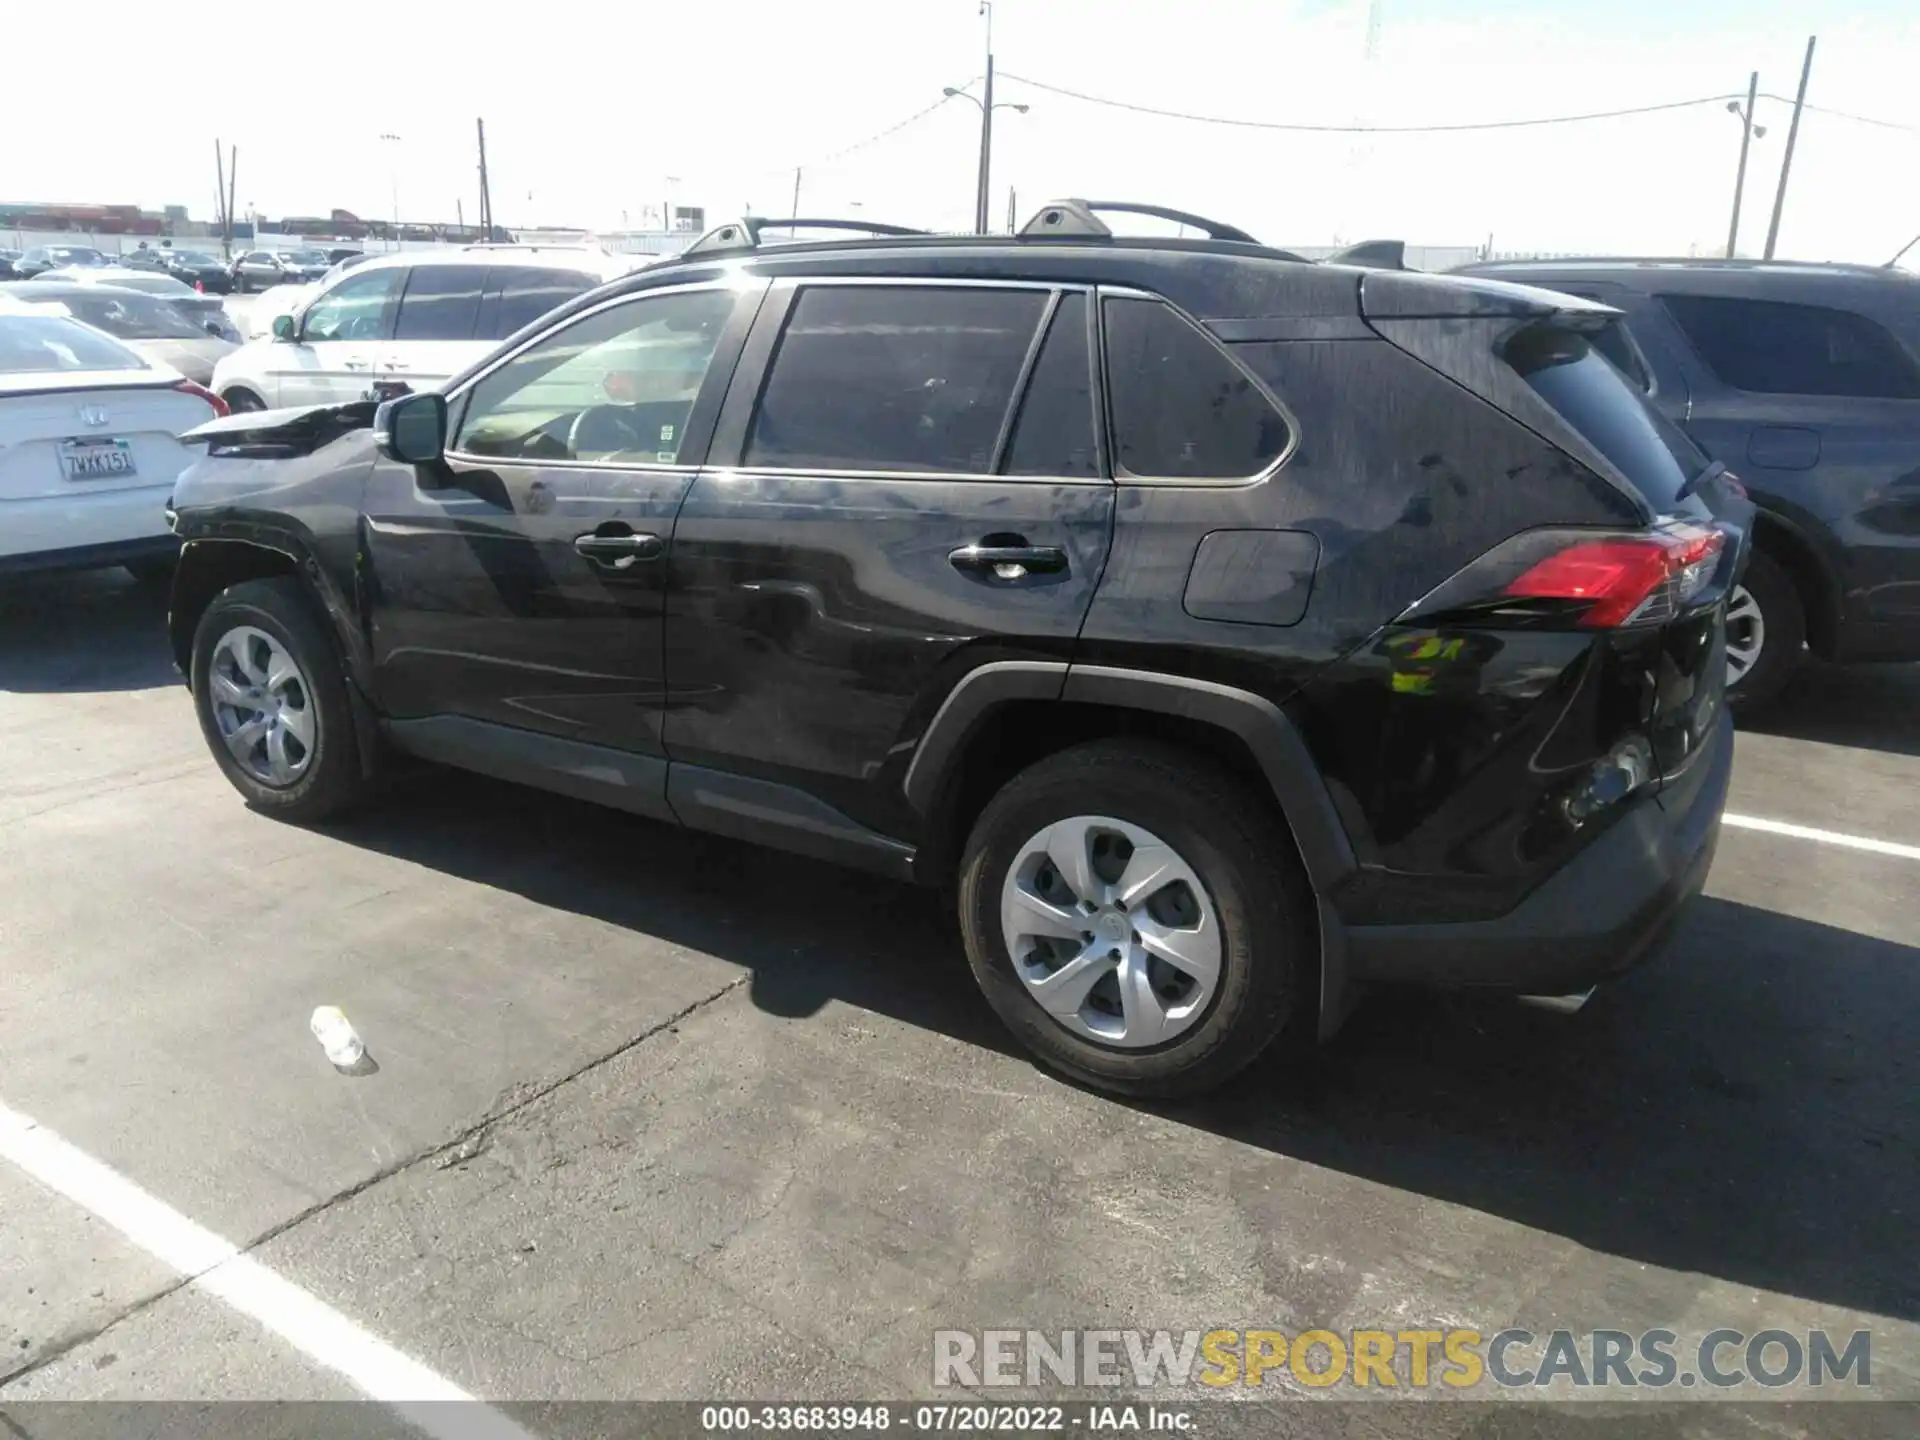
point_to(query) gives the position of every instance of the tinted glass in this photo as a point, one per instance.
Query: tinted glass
(617, 385)
(1181, 408)
(872, 377)
(133, 317)
(38, 344)
(441, 302)
(518, 295)
(355, 309)
(1611, 341)
(1054, 434)
(1595, 398)
(1775, 349)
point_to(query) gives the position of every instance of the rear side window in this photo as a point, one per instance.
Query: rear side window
(441, 302)
(1612, 342)
(1054, 434)
(910, 378)
(1771, 348)
(1591, 394)
(518, 295)
(1181, 408)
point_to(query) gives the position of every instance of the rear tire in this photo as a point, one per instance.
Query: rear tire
(1767, 629)
(270, 628)
(240, 399)
(1222, 866)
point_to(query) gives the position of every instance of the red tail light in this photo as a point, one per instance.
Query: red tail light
(189, 387)
(1625, 578)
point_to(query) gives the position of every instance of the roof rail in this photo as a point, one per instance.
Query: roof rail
(1082, 218)
(744, 234)
(1373, 255)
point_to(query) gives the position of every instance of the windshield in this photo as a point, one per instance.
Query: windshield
(75, 255)
(133, 317)
(193, 257)
(302, 257)
(43, 344)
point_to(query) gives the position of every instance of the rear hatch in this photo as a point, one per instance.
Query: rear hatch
(1658, 588)
(92, 433)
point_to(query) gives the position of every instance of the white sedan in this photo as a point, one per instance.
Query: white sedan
(88, 447)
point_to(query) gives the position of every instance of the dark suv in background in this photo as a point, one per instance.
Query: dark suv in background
(1805, 380)
(1237, 632)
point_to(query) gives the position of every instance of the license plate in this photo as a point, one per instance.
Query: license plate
(96, 459)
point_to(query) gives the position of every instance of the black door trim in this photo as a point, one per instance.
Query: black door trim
(960, 714)
(767, 813)
(620, 778)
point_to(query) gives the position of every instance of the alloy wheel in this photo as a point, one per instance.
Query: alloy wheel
(262, 706)
(1746, 634)
(1111, 931)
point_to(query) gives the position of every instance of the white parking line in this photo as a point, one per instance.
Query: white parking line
(1824, 837)
(216, 1267)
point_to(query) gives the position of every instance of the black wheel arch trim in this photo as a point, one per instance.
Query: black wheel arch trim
(1261, 725)
(218, 549)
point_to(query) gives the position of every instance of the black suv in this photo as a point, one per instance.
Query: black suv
(1805, 379)
(1235, 632)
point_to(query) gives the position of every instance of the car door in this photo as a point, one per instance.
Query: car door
(1817, 408)
(432, 337)
(516, 591)
(331, 359)
(883, 512)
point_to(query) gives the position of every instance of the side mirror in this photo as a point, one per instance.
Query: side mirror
(283, 328)
(412, 429)
(215, 329)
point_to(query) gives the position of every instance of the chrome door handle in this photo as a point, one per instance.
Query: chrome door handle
(618, 552)
(1009, 562)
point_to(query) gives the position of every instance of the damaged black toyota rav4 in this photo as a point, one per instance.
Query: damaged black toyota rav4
(1236, 633)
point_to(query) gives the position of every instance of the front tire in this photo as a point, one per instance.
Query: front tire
(272, 702)
(1766, 631)
(240, 399)
(1137, 918)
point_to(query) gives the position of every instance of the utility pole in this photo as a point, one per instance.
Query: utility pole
(986, 129)
(233, 177)
(393, 178)
(1747, 131)
(220, 201)
(1786, 161)
(796, 194)
(486, 199)
(1011, 223)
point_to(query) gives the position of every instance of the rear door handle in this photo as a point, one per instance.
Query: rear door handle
(618, 552)
(353, 364)
(1009, 562)
(395, 365)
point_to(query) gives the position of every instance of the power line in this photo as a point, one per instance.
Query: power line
(1369, 129)
(1845, 114)
(880, 135)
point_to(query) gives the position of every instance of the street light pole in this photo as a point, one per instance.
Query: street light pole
(393, 179)
(986, 131)
(1748, 130)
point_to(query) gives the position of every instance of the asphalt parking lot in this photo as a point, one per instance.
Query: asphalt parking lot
(661, 1116)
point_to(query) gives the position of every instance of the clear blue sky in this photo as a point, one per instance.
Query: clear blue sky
(597, 111)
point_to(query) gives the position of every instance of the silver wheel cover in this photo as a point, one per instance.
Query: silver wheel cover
(1746, 634)
(1111, 931)
(262, 706)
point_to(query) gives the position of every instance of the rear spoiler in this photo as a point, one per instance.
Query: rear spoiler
(277, 434)
(1412, 295)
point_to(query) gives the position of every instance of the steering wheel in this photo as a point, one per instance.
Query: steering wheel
(602, 430)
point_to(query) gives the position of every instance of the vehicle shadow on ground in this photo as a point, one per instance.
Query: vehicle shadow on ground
(94, 632)
(1741, 1108)
(1869, 707)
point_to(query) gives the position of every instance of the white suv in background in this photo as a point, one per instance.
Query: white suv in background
(413, 317)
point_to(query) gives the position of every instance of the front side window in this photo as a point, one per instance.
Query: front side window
(441, 303)
(355, 309)
(1771, 348)
(894, 378)
(1181, 408)
(614, 386)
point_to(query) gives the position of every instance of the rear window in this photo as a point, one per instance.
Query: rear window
(1591, 395)
(48, 344)
(133, 317)
(1770, 348)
